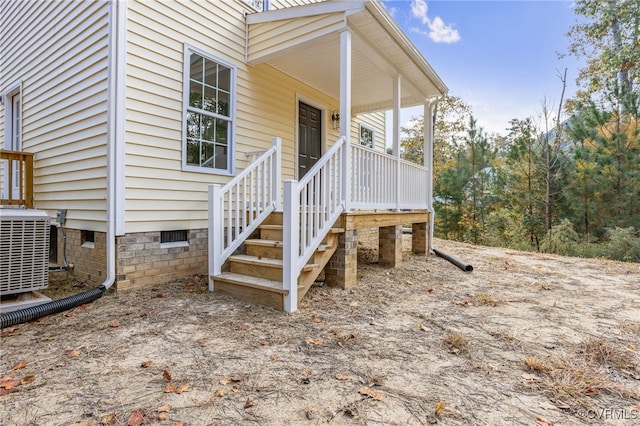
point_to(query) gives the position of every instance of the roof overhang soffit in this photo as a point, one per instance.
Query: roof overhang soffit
(304, 42)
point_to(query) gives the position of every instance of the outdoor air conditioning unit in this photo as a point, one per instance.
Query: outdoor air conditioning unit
(24, 250)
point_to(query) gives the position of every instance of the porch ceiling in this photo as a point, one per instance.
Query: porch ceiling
(304, 42)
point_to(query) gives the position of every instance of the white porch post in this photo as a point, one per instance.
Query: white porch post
(291, 244)
(216, 230)
(345, 113)
(397, 103)
(276, 173)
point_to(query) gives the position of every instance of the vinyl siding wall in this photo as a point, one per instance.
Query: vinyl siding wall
(59, 51)
(159, 195)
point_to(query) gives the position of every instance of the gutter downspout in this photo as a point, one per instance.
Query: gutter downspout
(430, 112)
(57, 306)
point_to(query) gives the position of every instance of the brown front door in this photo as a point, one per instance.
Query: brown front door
(309, 137)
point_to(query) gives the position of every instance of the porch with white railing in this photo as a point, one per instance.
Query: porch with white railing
(347, 180)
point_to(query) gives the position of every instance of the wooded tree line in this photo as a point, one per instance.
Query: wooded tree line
(566, 182)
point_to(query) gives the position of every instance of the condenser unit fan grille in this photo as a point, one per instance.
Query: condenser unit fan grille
(24, 250)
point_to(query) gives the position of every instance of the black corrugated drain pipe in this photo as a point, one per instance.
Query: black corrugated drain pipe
(459, 263)
(35, 312)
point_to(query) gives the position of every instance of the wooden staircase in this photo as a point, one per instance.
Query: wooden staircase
(256, 276)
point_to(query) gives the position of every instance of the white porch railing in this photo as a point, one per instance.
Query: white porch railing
(311, 207)
(373, 181)
(236, 209)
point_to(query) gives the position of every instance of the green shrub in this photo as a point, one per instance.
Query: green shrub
(561, 239)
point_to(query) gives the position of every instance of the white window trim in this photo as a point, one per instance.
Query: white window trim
(373, 135)
(231, 148)
(12, 90)
(7, 101)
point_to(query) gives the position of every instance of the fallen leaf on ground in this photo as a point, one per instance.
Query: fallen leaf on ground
(70, 314)
(182, 388)
(316, 320)
(163, 416)
(220, 393)
(273, 357)
(166, 375)
(235, 388)
(137, 418)
(314, 341)
(20, 365)
(73, 353)
(146, 364)
(108, 419)
(7, 332)
(114, 324)
(248, 404)
(373, 394)
(543, 422)
(423, 328)
(164, 408)
(27, 379)
(227, 380)
(170, 388)
(342, 376)
(6, 391)
(354, 304)
(8, 383)
(430, 290)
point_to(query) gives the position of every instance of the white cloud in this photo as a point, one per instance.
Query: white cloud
(442, 33)
(439, 32)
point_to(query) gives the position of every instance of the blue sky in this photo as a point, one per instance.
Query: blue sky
(501, 57)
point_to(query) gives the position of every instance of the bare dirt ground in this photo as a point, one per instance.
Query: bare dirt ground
(525, 339)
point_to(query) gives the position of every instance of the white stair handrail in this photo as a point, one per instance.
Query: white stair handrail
(243, 204)
(311, 207)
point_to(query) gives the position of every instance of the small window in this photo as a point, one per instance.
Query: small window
(366, 136)
(208, 122)
(88, 239)
(170, 239)
(260, 5)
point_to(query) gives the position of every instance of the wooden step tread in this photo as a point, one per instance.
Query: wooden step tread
(274, 243)
(265, 261)
(264, 243)
(265, 226)
(333, 230)
(247, 281)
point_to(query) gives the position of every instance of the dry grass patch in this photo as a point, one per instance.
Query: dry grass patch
(482, 298)
(588, 374)
(534, 363)
(457, 343)
(603, 352)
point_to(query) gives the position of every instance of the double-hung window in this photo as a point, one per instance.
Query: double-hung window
(208, 127)
(366, 136)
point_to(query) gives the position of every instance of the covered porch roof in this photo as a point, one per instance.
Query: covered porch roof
(304, 42)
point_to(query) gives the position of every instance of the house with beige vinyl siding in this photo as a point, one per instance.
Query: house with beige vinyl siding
(177, 136)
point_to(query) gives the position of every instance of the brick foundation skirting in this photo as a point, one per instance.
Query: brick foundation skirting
(142, 260)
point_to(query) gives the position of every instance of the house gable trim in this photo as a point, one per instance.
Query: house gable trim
(347, 7)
